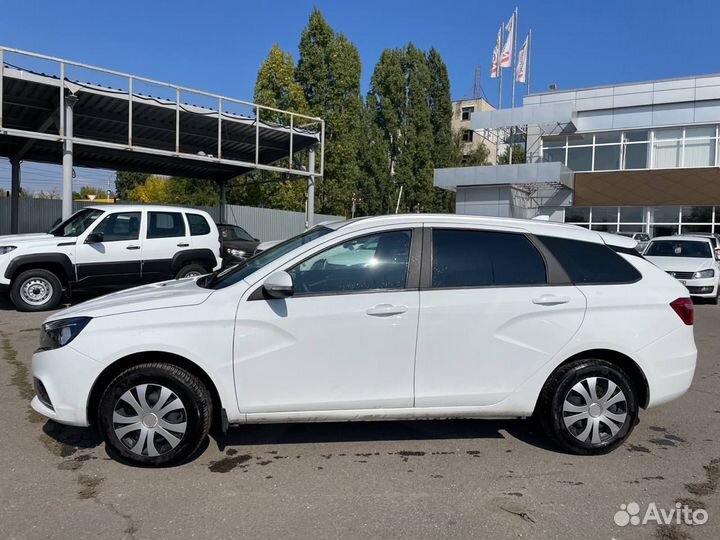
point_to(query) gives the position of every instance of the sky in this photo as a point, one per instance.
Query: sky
(218, 46)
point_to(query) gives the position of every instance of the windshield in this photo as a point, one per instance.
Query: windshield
(679, 248)
(232, 275)
(235, 233)
(76, 224)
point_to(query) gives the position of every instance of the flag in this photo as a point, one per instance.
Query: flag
(522, 61)
(506, 55)
(495, 67)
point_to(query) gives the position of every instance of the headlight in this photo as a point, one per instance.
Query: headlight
(240, 254)
(6, 249)
(704, 273)
(57, 334)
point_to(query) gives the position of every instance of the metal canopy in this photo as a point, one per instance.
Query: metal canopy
(125, 130)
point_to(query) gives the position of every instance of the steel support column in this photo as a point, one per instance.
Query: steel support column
(223, 201)
(310, 216)
(14, 195)
(67, 191)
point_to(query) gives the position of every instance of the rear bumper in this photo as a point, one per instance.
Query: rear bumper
(669, 365)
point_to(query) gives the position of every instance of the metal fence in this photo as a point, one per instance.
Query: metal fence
(38, 215)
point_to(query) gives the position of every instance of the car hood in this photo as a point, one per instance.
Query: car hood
(166, 294)
(36, 239)
(681, 264)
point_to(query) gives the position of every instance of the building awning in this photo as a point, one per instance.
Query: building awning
(552, 173)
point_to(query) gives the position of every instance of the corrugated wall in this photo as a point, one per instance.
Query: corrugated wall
(38, 215)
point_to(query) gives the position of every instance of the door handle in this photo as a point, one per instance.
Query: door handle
(550, 300)
(133, 247)
(385, 310)
(183, 244)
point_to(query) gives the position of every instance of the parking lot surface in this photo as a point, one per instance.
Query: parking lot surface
(434, 479)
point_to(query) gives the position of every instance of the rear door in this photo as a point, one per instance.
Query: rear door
(117, 258)
(492, 311)
(166, 234)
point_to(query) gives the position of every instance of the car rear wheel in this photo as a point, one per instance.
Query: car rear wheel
(36, 290)
(155, 414)
(588, 407)
(191, 270)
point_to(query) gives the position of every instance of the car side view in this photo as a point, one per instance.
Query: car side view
(381, 318)
(103, 246)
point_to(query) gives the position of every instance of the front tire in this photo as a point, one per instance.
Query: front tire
(191, 270)
(588, 407)
(36, 290)
(155, 415)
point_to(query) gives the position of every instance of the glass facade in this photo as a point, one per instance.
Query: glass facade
(667, 148)
(655, 220)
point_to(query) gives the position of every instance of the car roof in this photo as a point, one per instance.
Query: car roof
(687, 237)
(151, 207)
(533, 226)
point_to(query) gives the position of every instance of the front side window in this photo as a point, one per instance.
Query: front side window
(198, 225)
(375, 262)
(588, 263)
(462, 258)
(76, 224)
(120, 226)
(165, 225)
(679, 248)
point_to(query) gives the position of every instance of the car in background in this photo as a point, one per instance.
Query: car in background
(714, 240)
(391, 317)
(237, 243)
(689, 259)
(641, 238)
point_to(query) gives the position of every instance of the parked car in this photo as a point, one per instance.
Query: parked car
(448, 316)
(714, 240)
(689, 259)
(237, 244)
(101, 246)
(641, 238)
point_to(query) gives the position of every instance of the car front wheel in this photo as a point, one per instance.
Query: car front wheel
(588, 406)
(155, 414)
(36, 290)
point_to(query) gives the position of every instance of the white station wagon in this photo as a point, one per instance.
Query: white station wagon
(391, 317)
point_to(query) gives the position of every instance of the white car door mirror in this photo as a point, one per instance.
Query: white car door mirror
(279, 284)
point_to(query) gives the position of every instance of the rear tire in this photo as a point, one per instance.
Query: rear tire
(36, 290)
(588, 407)
(191, 270)
(155, 415)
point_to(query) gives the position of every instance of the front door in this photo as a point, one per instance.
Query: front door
(116, 259)
(344, 341)
(489, 319)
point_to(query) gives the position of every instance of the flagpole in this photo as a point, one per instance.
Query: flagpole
(527, 84)
(514, 54)
(497, 131)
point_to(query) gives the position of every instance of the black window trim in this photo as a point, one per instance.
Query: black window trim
(555, 274)
(412, 278)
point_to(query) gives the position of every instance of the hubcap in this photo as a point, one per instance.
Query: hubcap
(149, 420)
(595, 410)
(36, 291)
(193, 273)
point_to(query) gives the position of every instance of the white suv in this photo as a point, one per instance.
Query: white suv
(112, 245)
(393, 317)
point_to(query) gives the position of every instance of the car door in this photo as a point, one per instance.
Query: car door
(490, 315)
(344, 341)
(166, 234)
(110, 252)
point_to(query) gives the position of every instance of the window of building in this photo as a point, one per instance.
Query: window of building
(607, 158)
(463, 258)
(636, 156)
(605, 214)
(467, 135)
(577, 215)
(666, 214)
(632, 214)
(697, 214)
(589, 263)
(165, 225)
(554, 154)
(466, 112)
(580, 158)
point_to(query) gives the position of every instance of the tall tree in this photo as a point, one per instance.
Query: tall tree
(518, 155)
(126, 181)
(329, 72)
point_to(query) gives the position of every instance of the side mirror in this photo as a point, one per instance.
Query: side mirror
(94, 238)
(279, 285)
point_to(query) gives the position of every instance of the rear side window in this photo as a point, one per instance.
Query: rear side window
(464, 258)
(589, 263)
(198, 225)
(165, 225)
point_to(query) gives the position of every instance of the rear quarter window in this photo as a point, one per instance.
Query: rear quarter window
(588, 263)
(198, 225)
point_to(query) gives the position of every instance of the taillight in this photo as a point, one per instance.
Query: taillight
(685, 310)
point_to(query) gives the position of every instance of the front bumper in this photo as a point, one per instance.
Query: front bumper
(67, 376)
(704, 288)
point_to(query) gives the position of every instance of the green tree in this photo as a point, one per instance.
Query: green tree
(125, 181)
(176, 190)
(518, 155)
(478, 156)
(329, 73)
